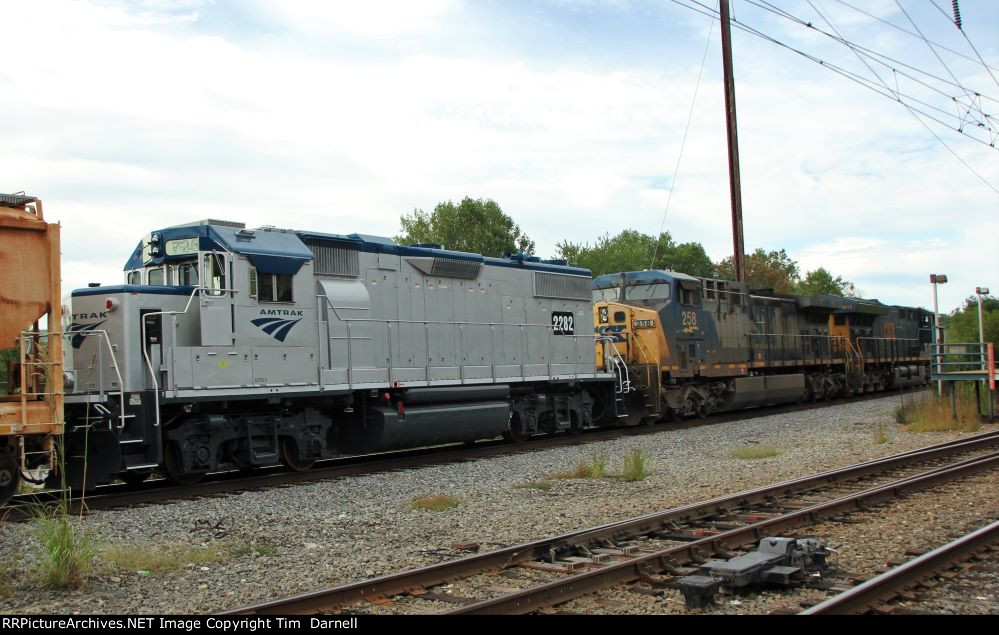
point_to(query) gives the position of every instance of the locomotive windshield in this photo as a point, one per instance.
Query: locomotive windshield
(612, 294)
(648, 292)
(184, 274)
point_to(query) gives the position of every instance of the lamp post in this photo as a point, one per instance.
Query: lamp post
(980, 291)
(935, 279)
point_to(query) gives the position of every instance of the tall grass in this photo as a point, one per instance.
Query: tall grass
(637, 465)
(595, 467)
(935, 414)
(67, 551)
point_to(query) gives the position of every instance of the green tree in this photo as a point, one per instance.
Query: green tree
(765, 270)
(634, 251)
(962, 325)
(474, 225)
(821, 281)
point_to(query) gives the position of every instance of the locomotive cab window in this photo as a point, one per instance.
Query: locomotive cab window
(134, 277)
(648, 292)
(690, 294)
(611, 295)
(155, 276)
(270, 287)
(214, 273)
(187, 274)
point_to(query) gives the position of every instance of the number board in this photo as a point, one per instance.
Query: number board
(563, 323)
(643, 324)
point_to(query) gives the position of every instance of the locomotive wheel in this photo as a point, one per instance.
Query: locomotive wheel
(174, 465)
(289, 456)
(10, 475)
(515, 432)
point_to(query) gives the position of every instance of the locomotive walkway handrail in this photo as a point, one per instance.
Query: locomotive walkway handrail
(829, 339)
(891, 343)
(388, 322)
(106, 338)
(145, 351)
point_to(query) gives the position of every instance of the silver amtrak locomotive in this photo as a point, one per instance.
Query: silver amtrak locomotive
(266, 346)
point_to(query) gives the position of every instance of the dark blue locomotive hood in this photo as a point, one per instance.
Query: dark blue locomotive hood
(649, 276)
(270, 251)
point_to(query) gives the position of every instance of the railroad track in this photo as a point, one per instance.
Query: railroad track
(874, 593)
(655, 548)
(156, 491)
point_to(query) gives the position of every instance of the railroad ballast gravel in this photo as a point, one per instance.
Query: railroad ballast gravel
(294, 539)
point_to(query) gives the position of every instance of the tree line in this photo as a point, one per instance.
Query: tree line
(481, 226)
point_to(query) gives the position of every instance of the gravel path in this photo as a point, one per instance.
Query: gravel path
(277, 542)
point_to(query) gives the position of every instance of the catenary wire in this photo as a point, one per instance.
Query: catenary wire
(683, 143)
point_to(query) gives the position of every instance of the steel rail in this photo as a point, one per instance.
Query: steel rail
(502, 558)
(642, 567)
(885, 586)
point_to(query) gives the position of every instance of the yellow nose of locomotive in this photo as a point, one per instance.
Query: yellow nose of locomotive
(632, 333)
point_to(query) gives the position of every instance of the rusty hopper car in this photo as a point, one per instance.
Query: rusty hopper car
(693, 346)
(31, 407)
(266, 346)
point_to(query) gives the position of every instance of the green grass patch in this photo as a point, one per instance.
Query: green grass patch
(936, 414)
(67, 551)
(147, 559)
(594, 467)
(637, 465)
(539, 485)
(754, 452)
(434, 503)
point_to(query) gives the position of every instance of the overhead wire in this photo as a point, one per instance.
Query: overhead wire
(875, 56)
(683, 143)
(949, 149)
(968, 40)
(908, 32)
(893, 94)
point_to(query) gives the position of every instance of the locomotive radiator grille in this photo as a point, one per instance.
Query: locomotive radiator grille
(563, 287)
(334, 258)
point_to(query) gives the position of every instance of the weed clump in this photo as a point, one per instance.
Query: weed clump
(755, 452)
(67, 552)
(539, 485)
(594, 467)
(637, 465)
(434, 503)
(936, 414)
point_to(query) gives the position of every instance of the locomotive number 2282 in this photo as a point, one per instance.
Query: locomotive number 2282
(563, 323)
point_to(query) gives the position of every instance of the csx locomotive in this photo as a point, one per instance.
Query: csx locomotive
(266, 346)
(693, 346)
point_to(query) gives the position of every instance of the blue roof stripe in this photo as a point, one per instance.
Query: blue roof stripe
(133, 288)
(278, 244)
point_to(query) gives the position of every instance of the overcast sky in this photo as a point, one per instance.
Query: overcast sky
(125, 117)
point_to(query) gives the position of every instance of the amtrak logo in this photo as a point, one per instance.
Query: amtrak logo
(80, 331)
(275, 327)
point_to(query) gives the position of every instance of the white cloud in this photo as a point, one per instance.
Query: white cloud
(124, 120)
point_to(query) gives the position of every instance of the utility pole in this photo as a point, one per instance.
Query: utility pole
(735, 187)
